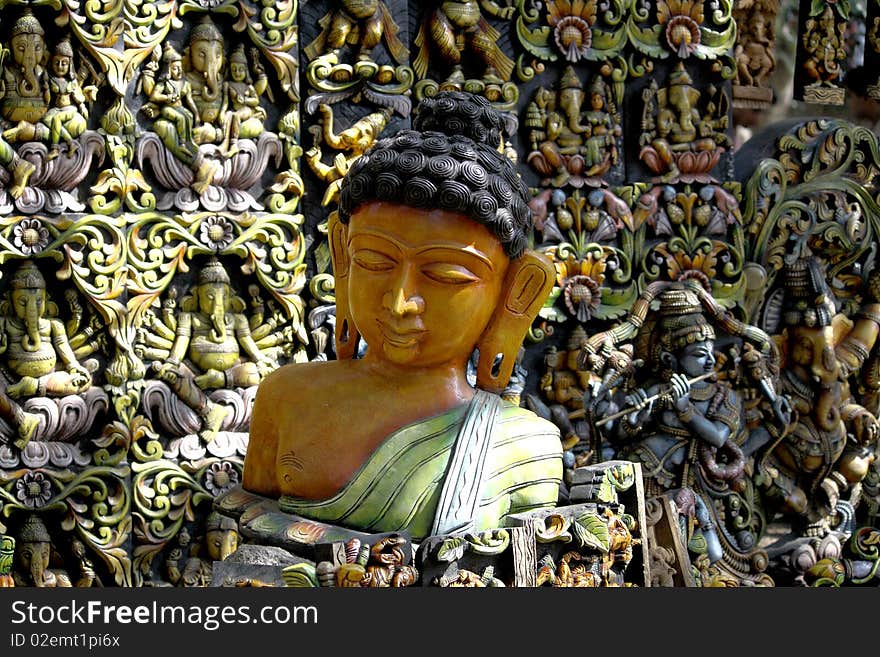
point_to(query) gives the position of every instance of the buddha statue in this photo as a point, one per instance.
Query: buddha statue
(431, 262)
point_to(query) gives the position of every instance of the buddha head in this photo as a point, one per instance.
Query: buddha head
(429, 246)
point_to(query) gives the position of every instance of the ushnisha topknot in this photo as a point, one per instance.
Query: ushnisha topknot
(449, 161)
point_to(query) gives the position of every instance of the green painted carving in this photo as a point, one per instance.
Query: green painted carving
(165, 495)
(273, 29)
(573, 30)
(590, 239)
(700, 236)
(490, 542)
(121, 186)
(591, 531)
(270, 246)
(701, 28)
(300, 575)
(817, 189)
(618, 478)
(96, 504)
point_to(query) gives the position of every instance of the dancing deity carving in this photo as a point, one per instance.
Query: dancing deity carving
(689, 428)
(834, 438)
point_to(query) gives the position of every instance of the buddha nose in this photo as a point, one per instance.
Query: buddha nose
(402, 299)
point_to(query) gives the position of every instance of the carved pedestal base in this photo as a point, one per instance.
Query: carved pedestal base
(752, 97)
(598, 543)
(824, 95)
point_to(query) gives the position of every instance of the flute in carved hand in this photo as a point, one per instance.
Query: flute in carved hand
(650, 399)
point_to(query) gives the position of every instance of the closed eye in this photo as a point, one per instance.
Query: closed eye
(373, 260)
(449, 273)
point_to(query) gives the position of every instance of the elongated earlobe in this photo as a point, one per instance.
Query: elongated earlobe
(346, 334)
(528, 282)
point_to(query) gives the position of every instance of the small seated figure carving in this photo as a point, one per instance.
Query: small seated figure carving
(221, 539)
(241, 112)
(33, 341)
(171, 104)
(66, 118)
(33, 557)
(429, 252)
(685, 127)
(211, 331)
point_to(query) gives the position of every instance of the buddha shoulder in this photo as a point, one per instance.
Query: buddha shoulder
(517, 424)
(298, 380)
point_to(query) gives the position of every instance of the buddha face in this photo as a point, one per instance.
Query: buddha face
(423, 284)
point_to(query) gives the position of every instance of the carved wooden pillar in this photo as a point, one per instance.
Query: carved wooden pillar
(821, 53)
(755, 60)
